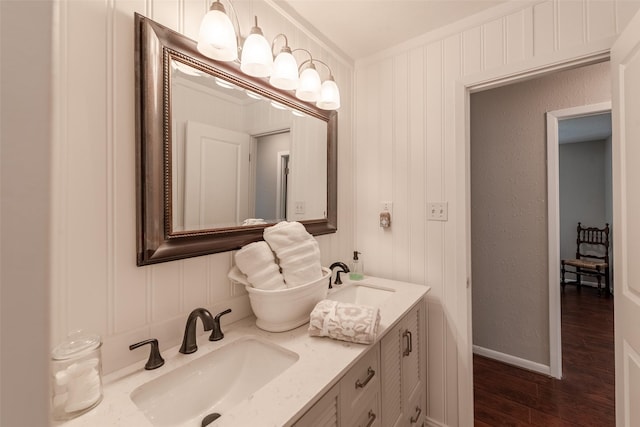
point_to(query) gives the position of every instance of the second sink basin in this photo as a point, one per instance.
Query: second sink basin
(212, 383)
(362, 294)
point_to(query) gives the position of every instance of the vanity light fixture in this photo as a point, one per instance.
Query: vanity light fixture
(257, 59)
(285, 67)
(217, 37)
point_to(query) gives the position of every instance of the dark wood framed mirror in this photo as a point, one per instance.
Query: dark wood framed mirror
(218, 204)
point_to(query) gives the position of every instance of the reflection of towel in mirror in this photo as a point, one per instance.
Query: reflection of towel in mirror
(344, 321)
(257, 262)
(297, 251)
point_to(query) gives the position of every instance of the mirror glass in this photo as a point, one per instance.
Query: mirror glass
(221, 155)
(239, 158)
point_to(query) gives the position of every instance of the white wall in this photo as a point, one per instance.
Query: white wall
(96, 284)
(408, 151)
(26, 127)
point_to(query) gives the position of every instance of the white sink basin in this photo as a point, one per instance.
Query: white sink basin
(362, 294)
(212, 383)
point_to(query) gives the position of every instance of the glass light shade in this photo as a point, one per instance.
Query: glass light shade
(329, 96)
(256, 60)
(309, 85)
(217, 37)
(285, 71)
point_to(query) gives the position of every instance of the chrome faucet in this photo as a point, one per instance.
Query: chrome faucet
(189, 344)
(344, 269)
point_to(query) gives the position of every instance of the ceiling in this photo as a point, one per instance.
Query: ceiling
(361, 28)
(586, 128)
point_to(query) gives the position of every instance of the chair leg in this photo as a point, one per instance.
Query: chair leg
(562, 271)
(607, 283)
(578, 278)
(599, 283)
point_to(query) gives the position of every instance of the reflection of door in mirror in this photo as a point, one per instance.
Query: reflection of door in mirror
(215, 177)
(272, 158)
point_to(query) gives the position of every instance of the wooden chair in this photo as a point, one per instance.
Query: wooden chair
(592, 257)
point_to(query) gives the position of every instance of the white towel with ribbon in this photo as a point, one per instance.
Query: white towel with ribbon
(298, 252)
(257, 262)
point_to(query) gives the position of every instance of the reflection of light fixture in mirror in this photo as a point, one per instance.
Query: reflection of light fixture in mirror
(217, 38)
(223, 83)
(253, 95)
(186, 69)
(257, 59)
(285, 67)
(277, 105)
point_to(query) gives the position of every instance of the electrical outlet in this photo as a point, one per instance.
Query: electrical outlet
(386, 207)
(437, 211)
(300, 207)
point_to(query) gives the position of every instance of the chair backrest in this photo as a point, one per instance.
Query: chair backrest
(593, 242)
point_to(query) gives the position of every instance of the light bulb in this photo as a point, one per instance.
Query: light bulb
(217, 37)
(256, 60)
(329, 95)
(285, 70)
(309, 85)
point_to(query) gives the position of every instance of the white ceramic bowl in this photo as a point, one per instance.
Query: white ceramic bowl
(286, 309)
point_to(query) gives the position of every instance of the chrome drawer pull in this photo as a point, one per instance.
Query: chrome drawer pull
(370, 374)
(417, 417)
(372, 418)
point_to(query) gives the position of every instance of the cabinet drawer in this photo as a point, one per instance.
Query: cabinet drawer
(362, 381)
(369, 416)
(415, 411)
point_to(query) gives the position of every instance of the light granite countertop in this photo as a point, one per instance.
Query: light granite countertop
(321, 364)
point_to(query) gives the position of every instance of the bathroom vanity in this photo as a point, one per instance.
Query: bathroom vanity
(258, 378)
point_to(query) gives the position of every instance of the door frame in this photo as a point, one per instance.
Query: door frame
(553, 219)
(463, 90)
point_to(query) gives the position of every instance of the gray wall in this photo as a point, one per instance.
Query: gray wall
(584, 196)
(509, 209)
(267, 172)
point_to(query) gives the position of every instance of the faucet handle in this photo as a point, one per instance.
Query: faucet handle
(155, 359)
(217, 333)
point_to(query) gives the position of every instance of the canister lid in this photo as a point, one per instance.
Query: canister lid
(76, 344)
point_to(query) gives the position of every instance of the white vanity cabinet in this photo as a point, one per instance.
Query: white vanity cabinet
(354, 401)
(325, 412)
(385, 387)
(403, 366)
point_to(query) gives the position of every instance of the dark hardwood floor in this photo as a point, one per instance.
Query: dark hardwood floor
(510, 396)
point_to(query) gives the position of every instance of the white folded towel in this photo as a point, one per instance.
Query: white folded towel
(238, 276)
(344, 321)
(298, 252)
(257, 262)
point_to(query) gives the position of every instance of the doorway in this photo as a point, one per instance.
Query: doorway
(513, 287)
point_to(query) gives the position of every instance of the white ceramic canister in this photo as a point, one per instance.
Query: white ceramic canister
(76, 368)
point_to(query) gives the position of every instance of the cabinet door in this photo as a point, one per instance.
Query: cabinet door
(391, 377)
(412, 369)
(325, 413)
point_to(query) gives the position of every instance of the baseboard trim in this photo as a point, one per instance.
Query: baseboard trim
(512, 360)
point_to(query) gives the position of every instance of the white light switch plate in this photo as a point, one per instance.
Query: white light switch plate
(437, 211)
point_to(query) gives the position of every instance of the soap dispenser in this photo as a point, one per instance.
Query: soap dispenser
(356, 272)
